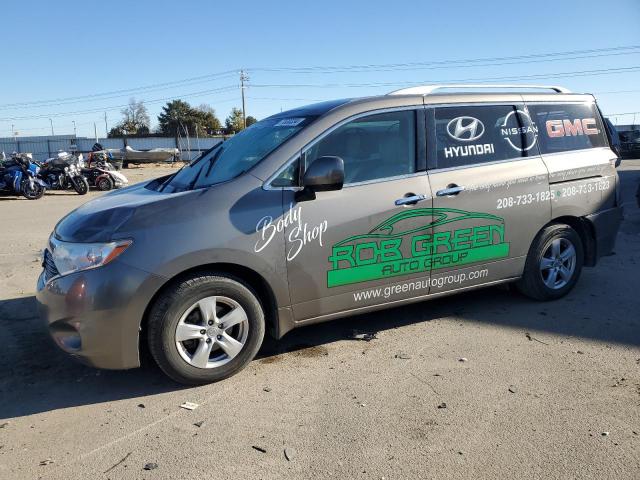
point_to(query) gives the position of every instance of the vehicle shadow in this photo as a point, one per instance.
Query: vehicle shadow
(47, 379)
(37, 377)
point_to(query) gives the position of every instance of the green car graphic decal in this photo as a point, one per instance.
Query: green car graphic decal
(379, 253)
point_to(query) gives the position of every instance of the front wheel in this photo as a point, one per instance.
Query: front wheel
(31, 189)
(205, 328)
(554, 263)
(80, 184)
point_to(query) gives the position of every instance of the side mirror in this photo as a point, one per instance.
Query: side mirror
(323, 175)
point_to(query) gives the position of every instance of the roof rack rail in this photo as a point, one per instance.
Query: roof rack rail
(428, 89)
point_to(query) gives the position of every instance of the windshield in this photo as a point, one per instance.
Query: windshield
(237, 155)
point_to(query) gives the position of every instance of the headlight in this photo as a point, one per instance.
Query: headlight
(73, 257)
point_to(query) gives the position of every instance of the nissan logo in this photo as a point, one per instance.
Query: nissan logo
(465, 129)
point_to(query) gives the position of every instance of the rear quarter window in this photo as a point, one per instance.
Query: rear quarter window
(566, 127)
(476, 134)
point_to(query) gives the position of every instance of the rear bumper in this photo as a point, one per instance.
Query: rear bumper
(605, 225)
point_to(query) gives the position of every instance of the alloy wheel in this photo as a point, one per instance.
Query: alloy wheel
(212, 332)
(558, 263)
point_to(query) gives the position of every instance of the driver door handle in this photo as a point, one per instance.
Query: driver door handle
(449, 191)
(410, 199)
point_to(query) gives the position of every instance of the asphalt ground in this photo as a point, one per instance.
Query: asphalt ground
(548, 390)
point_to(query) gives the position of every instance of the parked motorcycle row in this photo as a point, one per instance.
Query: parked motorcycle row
(20, 175)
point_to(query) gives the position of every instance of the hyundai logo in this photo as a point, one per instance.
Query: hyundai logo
(465, 129)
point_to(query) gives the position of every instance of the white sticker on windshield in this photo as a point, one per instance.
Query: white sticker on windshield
(289, 122)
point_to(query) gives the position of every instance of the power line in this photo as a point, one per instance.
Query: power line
(607, 71)
(117, 107)
(596, 52)
(531, 58)
(456, 64)
(581, 73)
(123, 92)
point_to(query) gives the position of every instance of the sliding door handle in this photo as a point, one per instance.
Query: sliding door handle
(450, 191)
(410, 199)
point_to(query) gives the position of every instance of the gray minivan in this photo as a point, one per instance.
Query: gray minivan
(330, 210)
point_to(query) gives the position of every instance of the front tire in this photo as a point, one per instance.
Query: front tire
(553, 264)
(205, 328)
(32, 190)
(80, 185)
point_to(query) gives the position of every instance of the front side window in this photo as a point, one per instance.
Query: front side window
(568, 127)
(469, 135)
(374, 147)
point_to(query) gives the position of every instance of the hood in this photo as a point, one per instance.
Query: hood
(103, 219)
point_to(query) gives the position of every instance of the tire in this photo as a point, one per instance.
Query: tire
(178, 310)
(31, 191)
(551, 273)
(104, 184)
(80, 185)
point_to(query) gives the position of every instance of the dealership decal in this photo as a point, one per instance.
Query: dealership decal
(518, 126)
(390, 250)
(570, 128)
(289, 122)
(300, 233)
(466, 150)
(465, 129)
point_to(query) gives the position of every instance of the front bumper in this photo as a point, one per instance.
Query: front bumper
(95, 315)
(605, 226)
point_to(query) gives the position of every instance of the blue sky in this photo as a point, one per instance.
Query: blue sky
(65, 49)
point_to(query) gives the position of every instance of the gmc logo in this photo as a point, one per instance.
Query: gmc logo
(568, 128)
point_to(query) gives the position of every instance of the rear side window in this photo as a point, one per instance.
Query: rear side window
(471, 135)
(568, 127)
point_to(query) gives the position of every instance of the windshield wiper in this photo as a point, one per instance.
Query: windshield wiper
(212, 160)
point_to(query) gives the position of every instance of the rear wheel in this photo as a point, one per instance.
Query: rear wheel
(205, 328)
(104, 183)
(554, 263)
(80, 184)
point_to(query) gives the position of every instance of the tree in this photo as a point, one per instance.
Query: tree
(179, 118)
(251, 120)
(136, 114)
(206, 115)
(234, 122)
(135, 120)
(174, 115)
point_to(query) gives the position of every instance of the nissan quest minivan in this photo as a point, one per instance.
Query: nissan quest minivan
(330, 210)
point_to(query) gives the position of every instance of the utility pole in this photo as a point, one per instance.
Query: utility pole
(95, 131)
(51, 121)
(106, 128)
(75, 132)
(243, 78)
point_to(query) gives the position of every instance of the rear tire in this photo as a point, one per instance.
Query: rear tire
(553, 264)
(187, 336)
(80, 185)
(104, 184)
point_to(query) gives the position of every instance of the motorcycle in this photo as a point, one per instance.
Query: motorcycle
(101, 174)
(63, 173)
(18, 177)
